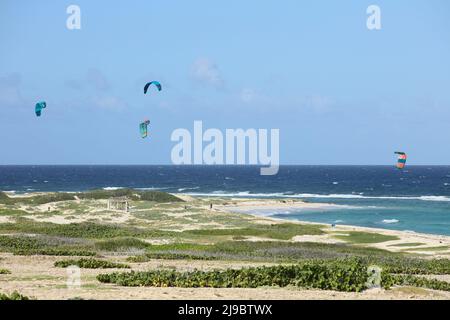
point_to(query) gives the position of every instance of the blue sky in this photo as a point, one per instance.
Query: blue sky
(338, 92)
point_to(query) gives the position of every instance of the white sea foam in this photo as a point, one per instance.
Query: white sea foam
(183, 189)
(390, 221)
(220, 193)
(112, 188)
(150, 188)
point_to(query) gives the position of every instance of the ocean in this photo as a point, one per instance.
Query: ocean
(416, 199)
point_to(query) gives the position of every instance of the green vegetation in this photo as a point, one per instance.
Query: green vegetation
(365, 237)
(168, 256)
(12, 212)
(410, 280)
(5, 271)
(149, 195)
(437, 248)
(86, 230)
(13, 296)
(25, 245)
(121, 244)
(90, 264)
(263, 251)
(54, 252)
(348, 275)
(14, 243)
(415, 265)
(407, 244)
(281, 231)
(156, 196)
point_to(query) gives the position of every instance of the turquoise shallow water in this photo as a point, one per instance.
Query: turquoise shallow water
(412, 215)
(415, 199)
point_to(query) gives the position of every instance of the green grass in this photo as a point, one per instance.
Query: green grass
(168, 256)
(179, 247)
(261, 251)
(55, 252)
(86, 230)
(437, 248)
(156, 196)
(12, 212)
(121, 244)
(421, 282)
(90, 264)
(365, 237)
(25, 245)
(407, 244)
(282, 231)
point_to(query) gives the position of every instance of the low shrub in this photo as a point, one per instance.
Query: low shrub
(411, 280)
(54, 252)
(13, 296)
(169, 256)
(342, 275)
(121, 244)
(90, 264)
(415, 266)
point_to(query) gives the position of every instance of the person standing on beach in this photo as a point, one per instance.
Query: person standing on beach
(210, 206)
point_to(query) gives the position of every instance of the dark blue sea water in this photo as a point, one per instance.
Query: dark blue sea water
(416, 199)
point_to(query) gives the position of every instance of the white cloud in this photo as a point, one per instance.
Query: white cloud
(94, 79)
(109, 102)
(248, 95)
(317, 103)
(97, 79)
(206, 71)
(10, 95)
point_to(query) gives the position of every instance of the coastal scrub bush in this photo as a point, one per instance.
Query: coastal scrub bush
(404, 265)
(13, 296)
(87, 230)
(90, 264)
(26, 245)
(13, 243)
(169, 256)
(120, 244)
(54, 252)
(156, 196)
(5, 271)
(342, 275)
(389, 280)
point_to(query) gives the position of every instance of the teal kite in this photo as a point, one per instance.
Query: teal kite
(143, 128)
(156, 83)
(38, 108)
